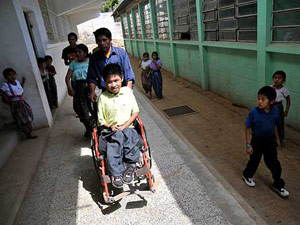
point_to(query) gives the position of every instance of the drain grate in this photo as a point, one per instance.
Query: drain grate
(179, 111)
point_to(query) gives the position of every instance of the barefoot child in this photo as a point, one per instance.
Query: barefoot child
(263, 120)
(12, 91)
(282, 93)
(156, 75)
(146, 73)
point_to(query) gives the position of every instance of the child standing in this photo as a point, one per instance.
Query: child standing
(156, 75)
(78, 88)
(146, 73)
(117, 110)
(45, 78)
(263, 120)
(52, 83)
(12, 91)
(282, 93)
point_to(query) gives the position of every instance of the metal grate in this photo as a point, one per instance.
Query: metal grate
(179, 111)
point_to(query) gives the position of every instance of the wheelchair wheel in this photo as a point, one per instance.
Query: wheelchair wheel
(96, 164)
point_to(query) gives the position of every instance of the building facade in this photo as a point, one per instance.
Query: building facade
(230, 47)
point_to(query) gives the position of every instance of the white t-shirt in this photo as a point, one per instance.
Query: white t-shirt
(17, 89)
(281, 93)
(145, 64)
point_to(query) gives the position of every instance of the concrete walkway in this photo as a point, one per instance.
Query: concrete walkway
(65, 190)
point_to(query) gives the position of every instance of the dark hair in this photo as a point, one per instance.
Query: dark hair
(102, 31)
(48, 57)
(268, 91)
(40, 61)
(281, 73)
(7, 71)
(146, 54)
(155, 54)
(112, 69)
(72, 34)
(84, 48)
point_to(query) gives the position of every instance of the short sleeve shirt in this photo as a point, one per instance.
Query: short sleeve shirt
(116, 109)
(261, 123)
(79, 70)
(281, 94)
(145, 64)
(17, 89)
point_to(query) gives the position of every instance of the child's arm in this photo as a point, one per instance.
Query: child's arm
(68, 82)
(140, 63)
(23, 82)
(277, 137)
(249, 148)
(127, 124)
(156, 64)
(288, 104)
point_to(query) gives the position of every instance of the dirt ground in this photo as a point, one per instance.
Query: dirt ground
(217, 131)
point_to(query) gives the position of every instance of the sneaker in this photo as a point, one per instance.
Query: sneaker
(117, 181)
(282, 192)
(128, 174)
(249, 181)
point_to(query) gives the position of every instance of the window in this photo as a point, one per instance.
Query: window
(148, 23)
(286, 21)
(185, 20)
(138, 24)
(230, 20)
(125, 27)
(161, 19)
(131, 26)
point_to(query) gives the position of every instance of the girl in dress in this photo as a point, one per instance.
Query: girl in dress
(12, 94)
(156, 75)
(144, 63)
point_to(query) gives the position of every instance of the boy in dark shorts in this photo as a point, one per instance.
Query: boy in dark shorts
(117, 110)
(263, 121)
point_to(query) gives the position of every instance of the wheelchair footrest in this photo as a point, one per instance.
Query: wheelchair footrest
(105, 178)
(143, 171)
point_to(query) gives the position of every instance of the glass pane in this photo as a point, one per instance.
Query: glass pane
(209, 16)
(287, 34)
(131, 26)
(210, 6)
(228, 24)
(161, 18)
(247, 23)
(223, 3)
(138, 24)
(227, 35)
(247, 10)
(290, 18)
(125, 26)
(211, 25)
(211, 36)
(286, 4)
(225, 13)
(147, 21)
(247, 35)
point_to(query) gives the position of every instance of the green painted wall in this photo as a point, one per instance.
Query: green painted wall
(232, 74)
(165, 55)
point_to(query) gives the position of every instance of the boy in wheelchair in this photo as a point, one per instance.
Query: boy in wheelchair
(117, 110)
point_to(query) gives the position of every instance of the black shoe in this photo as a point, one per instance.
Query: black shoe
(117, 181)
(128, 174)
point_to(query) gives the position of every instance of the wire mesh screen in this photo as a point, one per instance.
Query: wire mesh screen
(138, 24)
(230, 20)
(125, 27)
(131, 26)
(185, 20)
(147, 20)
(161, 19)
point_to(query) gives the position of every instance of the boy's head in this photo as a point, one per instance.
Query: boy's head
(72, 38)
(266, 97)
(9, 74)
(146, 56)
(103, 39)
(41, 63)
(113, 77)
(48, 60)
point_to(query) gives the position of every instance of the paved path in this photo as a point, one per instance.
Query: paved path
(65, 189)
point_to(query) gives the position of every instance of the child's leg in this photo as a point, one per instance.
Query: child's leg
(272, 162)
(253, 163)
(131, 149)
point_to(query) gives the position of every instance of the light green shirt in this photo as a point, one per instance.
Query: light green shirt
(116, 109)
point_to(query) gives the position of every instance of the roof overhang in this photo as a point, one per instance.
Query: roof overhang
(124, 5)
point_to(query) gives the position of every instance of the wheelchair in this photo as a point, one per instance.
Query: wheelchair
(143, 168)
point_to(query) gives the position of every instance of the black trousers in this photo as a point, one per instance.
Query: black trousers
(265, 146)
